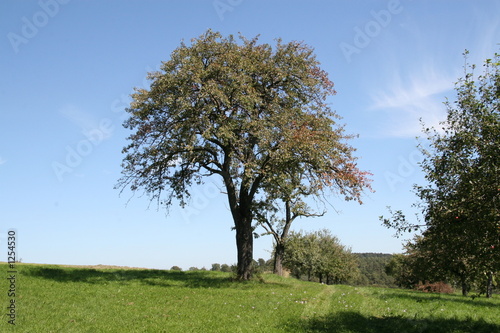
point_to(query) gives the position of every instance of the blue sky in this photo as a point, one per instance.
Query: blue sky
(68, 66)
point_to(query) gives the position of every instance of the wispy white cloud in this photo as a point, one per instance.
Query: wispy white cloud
(87, 122)
(2, 161)
(78, 117)
(489, 26)
(416, 85)
(408, 99)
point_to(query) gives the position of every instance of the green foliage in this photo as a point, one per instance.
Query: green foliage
(60, 299)
(372, 270)
(462, 209)
(319, 255)
(259, 266)
(262, 266)
(461, 203)
(403, 268)
(225, 268)
(176, 268)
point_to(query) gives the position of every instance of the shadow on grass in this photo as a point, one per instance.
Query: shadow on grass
(353, 322)
(162, 278)
(420, 297)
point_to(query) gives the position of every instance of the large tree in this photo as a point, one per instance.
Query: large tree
(460, 205)
(243, 112)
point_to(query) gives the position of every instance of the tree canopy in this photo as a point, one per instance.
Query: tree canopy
(251, 114)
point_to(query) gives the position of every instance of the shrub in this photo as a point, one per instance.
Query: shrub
(225, 268)
(436, 287)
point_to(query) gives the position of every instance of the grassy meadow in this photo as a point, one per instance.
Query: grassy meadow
(75, 299)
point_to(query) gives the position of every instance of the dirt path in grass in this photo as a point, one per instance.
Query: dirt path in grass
(319, 305)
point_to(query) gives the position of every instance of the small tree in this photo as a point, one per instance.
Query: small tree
(337, 264)
(225, 268)
(301, 254)
(320, 255)
(414, 266)
(285, 195)
(279, 228)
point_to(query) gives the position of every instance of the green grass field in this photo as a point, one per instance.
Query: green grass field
(69, 299)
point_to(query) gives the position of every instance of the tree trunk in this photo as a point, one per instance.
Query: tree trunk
(279, 250)
(242, 217)
(244, 244)
(465, 287)
(489, 285)
(278, 259)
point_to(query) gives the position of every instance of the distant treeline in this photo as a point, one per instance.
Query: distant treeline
(372, 269)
